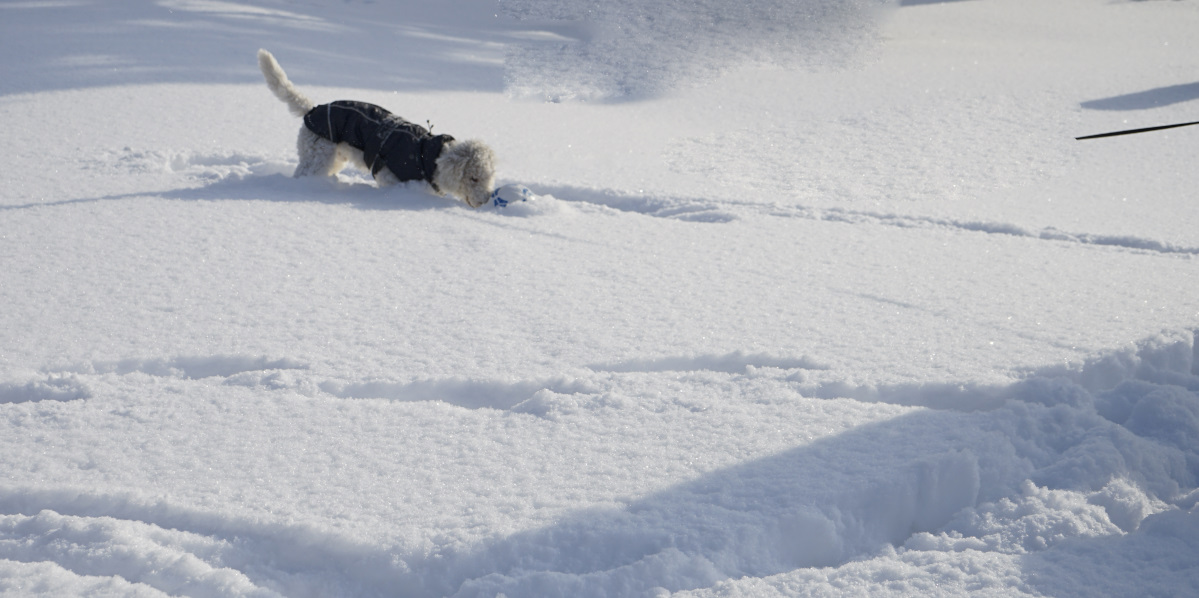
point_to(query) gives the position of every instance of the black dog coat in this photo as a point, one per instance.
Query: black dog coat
(408, 150)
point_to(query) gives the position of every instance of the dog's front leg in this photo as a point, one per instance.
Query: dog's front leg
(385, 178)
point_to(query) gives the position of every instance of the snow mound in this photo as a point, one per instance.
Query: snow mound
(630, 49)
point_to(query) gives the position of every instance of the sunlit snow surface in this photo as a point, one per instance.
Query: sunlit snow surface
(815, 299)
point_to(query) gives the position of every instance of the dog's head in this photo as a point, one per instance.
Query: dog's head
(466, 170)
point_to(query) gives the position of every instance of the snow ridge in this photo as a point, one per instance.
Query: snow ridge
(779, 517)
(720, 211)
(179, 551)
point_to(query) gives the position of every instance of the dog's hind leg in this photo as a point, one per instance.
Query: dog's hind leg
(318, 156)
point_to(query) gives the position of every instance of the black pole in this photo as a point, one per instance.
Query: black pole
(1131, 131)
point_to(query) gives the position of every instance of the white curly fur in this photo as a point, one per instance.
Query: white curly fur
(465, 169)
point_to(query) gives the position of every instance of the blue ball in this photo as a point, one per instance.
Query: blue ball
(509, 194)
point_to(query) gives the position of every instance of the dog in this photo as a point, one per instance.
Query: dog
(389, 147)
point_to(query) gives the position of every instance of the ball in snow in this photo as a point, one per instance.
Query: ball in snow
(508, 194)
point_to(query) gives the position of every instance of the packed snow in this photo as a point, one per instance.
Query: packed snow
(813, 298)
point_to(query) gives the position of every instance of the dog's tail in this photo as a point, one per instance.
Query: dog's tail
(276, 79)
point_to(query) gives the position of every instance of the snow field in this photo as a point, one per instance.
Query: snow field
(818, 299)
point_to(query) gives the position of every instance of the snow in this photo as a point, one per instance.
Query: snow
(817, 298)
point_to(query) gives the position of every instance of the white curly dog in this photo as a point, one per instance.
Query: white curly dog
(391, 148)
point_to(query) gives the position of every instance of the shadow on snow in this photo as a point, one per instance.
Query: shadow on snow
(413, 46)
(283, 188)
(1150, 98)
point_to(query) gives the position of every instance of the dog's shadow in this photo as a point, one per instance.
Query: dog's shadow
(352, 191)
(345, 189)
